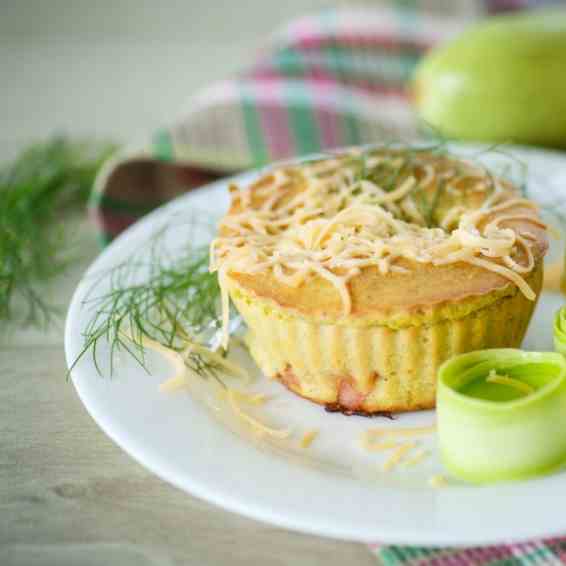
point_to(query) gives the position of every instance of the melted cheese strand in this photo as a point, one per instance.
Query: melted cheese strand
(452, 217)
(257, 425)
(526, 217)
(339, 283)
(510, 262)
(507, 273)
(401, 192)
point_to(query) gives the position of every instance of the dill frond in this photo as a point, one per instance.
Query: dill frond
(35, 190)
(204, 367)
(173, 300)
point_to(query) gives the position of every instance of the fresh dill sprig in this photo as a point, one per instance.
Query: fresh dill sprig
(204, 367)
(171, 300)
(389, 173)
(35, 190)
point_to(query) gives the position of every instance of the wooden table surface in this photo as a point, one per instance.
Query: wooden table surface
(70, 496)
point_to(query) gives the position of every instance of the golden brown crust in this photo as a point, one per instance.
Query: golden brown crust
(374, 294)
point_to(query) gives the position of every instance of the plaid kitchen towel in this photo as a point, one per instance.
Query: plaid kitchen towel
(333, 79)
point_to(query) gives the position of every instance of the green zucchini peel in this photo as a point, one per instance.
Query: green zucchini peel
(493, 432)
(560, 331)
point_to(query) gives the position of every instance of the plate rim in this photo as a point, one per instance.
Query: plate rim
(234, 504)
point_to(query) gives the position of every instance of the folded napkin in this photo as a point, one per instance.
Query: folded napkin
(333, 79)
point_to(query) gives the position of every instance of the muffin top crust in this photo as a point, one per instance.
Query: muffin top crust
(368, 234)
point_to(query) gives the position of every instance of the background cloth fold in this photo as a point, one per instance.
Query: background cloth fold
(328, 80)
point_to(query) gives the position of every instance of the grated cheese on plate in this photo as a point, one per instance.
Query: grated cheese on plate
(437, 481)
(257, 425)
(418, 457)
(397, 455)
(308, 438)
(413, 431)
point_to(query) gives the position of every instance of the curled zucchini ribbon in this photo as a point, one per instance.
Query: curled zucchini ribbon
(560, 331)
(502, 414)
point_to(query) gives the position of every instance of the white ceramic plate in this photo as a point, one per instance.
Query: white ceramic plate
(334, 488)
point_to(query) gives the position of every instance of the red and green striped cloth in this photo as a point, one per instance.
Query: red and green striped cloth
(333, 79)
(549, 552)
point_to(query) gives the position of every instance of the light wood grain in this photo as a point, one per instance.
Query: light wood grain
(69, 496)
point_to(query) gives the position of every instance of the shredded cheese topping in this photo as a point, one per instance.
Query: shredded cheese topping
(327, 219)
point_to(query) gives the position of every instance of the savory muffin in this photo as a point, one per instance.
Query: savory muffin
(359, 274)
